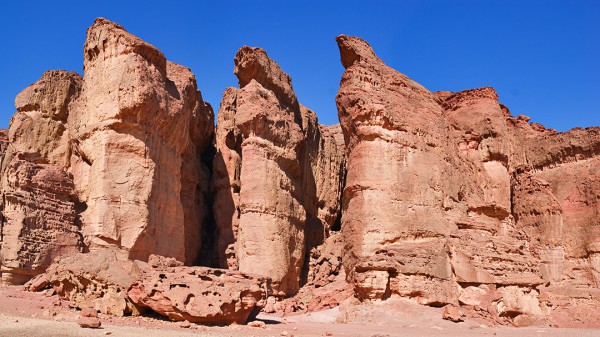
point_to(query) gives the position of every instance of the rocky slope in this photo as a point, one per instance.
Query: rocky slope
(445, 199)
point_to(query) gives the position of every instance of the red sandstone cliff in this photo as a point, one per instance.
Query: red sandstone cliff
(440, 198)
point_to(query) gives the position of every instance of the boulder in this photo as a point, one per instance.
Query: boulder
(98, 280)
(200, 294)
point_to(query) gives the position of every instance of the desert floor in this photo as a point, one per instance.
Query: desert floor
(35, 314)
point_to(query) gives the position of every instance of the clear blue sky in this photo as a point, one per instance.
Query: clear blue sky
(543, 57)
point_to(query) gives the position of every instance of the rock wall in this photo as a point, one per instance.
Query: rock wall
(277, 174)
(393, 218)
(39, 220)
(439, 197)
(113, 159)
(139, 130)
(451, 200)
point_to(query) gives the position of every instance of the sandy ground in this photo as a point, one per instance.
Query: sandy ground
(35, 314)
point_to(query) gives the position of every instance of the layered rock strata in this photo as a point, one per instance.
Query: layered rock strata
(39, 220)
(277, 174)
(443, 198)
(451, 200)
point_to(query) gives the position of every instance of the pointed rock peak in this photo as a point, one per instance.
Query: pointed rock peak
(111, 40)
(253, 63)
(107, 23)
(354, 49)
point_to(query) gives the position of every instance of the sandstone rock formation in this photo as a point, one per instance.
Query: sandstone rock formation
(113, 159)
(39, 219)
(443, 198)
(277, 174)
(325, 285)
(138, 133)
(101, 280)
(98, 280)
(451, 200)
(393, 203)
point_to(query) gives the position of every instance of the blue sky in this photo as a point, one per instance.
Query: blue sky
(543, 57)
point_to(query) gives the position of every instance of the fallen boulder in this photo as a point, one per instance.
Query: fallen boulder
(107, 282)
(200, 294)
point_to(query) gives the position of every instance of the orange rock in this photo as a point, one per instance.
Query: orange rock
(277, 174)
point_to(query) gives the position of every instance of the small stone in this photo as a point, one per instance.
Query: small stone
(185, 324)
(89, 322)
(453, 313)
(284, 333)
(257, 324)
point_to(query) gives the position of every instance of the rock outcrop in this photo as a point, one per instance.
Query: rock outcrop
(451, 200)
(39, 220)
(443, 198)
(138, 131)
(277, 174)
(393, 218)
(111, 160)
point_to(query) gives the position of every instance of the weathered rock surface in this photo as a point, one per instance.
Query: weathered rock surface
(98, 280)
(113, 159)
(325, 286)
(277, 174)
(139, 130)
(393, 216)
(38, 194)
(442, 198)
(102, 281)
(451, 200)
(200, 294)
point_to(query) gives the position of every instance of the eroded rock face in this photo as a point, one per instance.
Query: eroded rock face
(325, 286)
(451, 200)
(113, 159)
(39, 219)
(138, 133)
(277, 174)
(393, 197)
(443, 198)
